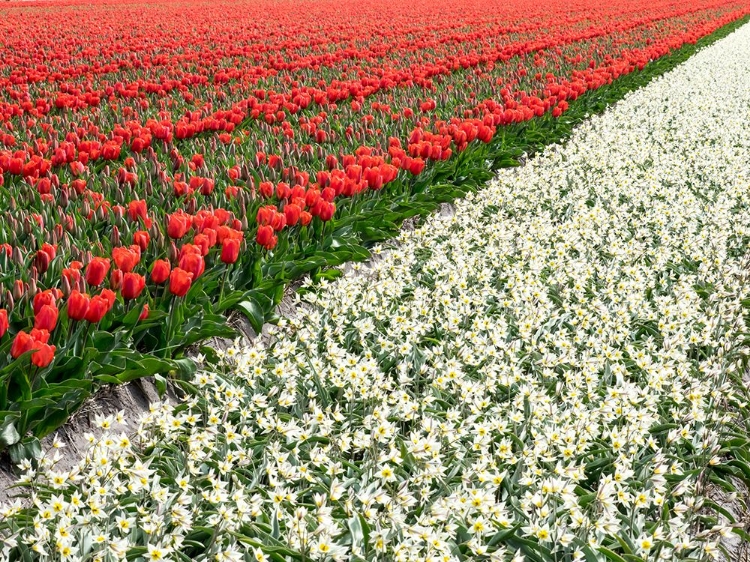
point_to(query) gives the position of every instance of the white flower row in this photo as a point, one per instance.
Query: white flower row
(543, 374)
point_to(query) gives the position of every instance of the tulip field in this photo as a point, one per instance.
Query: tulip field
(166, 166)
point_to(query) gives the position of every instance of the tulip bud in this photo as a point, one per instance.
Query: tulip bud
(66, 286)
(18, 289)
(115, 279)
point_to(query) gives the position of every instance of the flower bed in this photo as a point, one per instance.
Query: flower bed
(160, 170)
(549, 373)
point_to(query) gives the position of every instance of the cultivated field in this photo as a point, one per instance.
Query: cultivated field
(552, 371)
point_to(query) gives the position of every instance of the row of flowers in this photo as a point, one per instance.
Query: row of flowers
(544, 375)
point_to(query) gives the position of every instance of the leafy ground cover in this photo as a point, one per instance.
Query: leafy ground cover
(553, 373)
(159, 170)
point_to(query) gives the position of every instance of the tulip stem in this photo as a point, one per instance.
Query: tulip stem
(85, 338)
(170, 323)
(223, 282)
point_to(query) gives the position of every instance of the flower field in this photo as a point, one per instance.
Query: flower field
(551, 373)
(160, 171)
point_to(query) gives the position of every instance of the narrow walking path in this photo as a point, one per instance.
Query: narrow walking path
(547, 372)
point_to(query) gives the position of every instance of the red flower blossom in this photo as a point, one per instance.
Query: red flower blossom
(22, 343)
(98, 307)
(230, 250)
(192, 262)
(144, 314)
(266, 237)
(78, 305)
(160, 271)
(178, 225)
(141, 239)
(96, 271)
(46, 318)
(47, 297)
(179, 282)
(43, 355)
(126, 258)
(4, 323)
(132, 286)
(292, 213)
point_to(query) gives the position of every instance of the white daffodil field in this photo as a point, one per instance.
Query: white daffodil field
(550, 373)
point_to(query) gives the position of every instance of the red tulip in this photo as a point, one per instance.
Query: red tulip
(4, 324)
(180, 281)
(137, 209)
(416, 166)
(230, 250)
(50, 250)
(110, 296)
(46, 318)
(78, 305)
(43, 298)
(203, 242)
(98, 307)
(126, 258)
(485, 133)
(266, 188)
(96, 271)
(292, 213)
(115, 279)
(39, 335)
(278, 222)
(41, 261)
(22, 343)
(144, 313)
(160, 271)
(43, 355)
(193, 262)
(266, 237)
(324, 210)
(132, 285)
(178, 225)
(141, 239)
(72, 274)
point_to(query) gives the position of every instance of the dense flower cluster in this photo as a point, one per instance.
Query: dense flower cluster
(540, 374)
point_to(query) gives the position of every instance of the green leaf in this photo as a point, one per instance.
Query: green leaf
(30, 449)
(161, 384)
(107, 379)
(253, 312)
(611, 555)
(8, 434)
